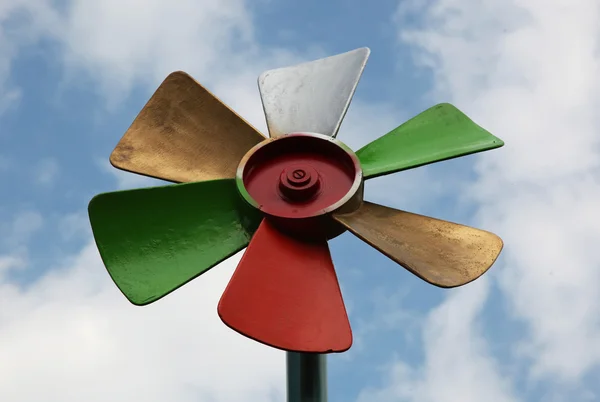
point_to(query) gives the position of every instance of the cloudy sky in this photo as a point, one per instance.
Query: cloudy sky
(73, 75)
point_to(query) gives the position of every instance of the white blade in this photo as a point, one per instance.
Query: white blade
(311, 97)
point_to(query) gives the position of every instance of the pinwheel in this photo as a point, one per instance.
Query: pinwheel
(282, 197)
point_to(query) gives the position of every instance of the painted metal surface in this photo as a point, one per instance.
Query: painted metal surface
(183, 134)
(306, 377)
(442, 253)
(285, 294)
(336, 175)
(154, 240)
(311, 96)
(439, 133)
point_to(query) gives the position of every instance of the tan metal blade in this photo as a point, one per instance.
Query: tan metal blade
(442, 253)
(183, 134)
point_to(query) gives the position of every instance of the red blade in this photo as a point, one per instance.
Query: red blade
(285, 293)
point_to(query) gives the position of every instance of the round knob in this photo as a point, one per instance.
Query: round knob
(299, 183)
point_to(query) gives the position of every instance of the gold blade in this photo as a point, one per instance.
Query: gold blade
(442, 253)
(183, 134)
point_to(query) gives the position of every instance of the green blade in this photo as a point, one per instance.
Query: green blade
(439, 133)
(154, 240)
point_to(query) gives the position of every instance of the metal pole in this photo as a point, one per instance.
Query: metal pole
(306, 377)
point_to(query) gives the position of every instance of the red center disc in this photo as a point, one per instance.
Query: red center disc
(299, 175)
(299, 183)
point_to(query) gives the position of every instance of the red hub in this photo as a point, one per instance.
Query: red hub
(299, 183)
(299, 178)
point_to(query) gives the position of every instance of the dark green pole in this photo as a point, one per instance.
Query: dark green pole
(306, 377)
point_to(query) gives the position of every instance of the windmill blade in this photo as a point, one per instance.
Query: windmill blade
(285, 293)
(442, 253)
(154, 240)
(313, 96)
(184, 134)
(439, 133)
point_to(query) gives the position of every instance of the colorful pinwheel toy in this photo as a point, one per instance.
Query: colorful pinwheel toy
(282, 197)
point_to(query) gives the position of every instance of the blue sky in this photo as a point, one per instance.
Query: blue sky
(74, 74)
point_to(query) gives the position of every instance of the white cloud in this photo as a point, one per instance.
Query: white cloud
(22, 22)
(72, 336)
(383, 317)
(74, 225)
(23, 225)
(46, 171)
(118, 44)
(71, 333)
(15, 233)
(10, 262)
(528, 71)
(8, 94)
(457, 364)
(121, 43)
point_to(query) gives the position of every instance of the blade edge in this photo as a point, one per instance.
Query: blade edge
(131, 154)
(344, 220)
(262, 289)
(246, 218)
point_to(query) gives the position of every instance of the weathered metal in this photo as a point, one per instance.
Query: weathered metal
(442, 253)
(439, 133)
(311, 97)
(184, 134)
